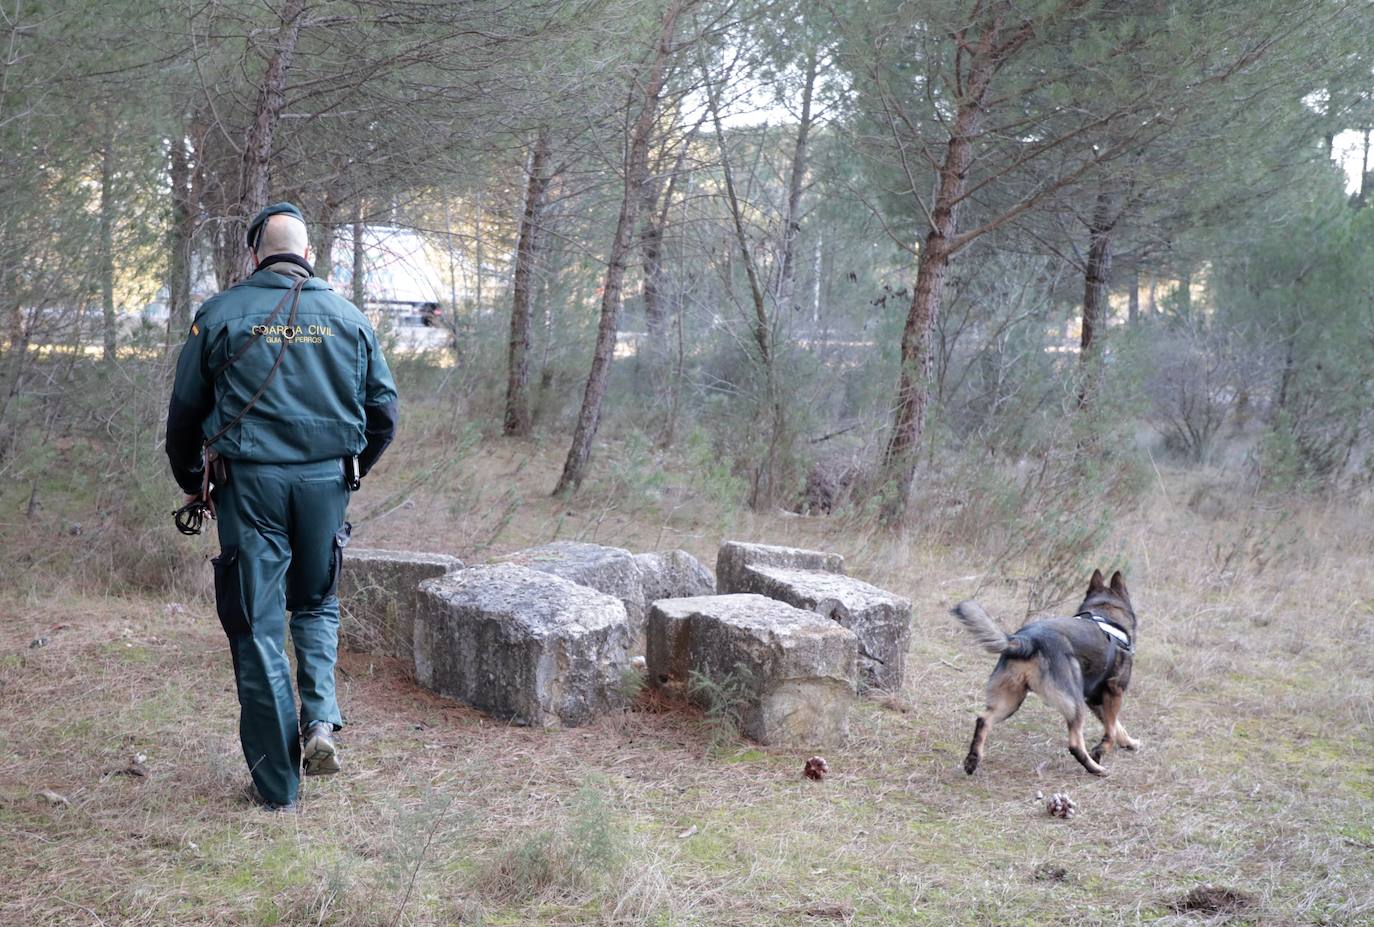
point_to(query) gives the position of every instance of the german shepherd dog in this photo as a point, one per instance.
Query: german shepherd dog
(1073, 664)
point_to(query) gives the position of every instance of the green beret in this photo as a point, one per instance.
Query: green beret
(276, 209)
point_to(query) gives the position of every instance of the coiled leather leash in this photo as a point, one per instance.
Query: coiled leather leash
(190, 518)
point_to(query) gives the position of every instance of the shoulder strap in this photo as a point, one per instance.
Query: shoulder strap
(258, 330)
(294, 296)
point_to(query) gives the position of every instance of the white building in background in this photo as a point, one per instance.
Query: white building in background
(406, 293)
(404, 290)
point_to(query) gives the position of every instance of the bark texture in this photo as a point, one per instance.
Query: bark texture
(636, 168)
(359, 267)
(107, 214)
(517, 418)
(787, 270)
(1097, 274)
(255, 173)
(182, 232)
(984, 53)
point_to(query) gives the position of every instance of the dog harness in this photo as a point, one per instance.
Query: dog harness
(1113, 630)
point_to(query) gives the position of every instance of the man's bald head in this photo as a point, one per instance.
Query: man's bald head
(282, 234)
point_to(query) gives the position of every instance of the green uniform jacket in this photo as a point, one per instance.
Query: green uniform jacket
(333, 396)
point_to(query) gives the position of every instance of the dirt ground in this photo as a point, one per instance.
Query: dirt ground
(1251, 801)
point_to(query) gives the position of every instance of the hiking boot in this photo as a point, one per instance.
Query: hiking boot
(319, 755)
(255, 797)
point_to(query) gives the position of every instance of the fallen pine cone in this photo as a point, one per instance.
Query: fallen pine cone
(1060, 806)
(816, 768)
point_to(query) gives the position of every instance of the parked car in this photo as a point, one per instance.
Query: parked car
(410, 326)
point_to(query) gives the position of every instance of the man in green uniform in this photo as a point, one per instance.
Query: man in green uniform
(283, 395)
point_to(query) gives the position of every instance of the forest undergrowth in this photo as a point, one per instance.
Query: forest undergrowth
(121, 779)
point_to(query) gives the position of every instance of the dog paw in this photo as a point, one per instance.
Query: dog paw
(970, 763)
(1096, 753)
(1129, 744)
(1100, 772)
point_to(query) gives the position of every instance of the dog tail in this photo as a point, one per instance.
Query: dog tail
(986, 632)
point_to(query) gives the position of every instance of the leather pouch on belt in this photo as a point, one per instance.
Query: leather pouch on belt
(341, 539)
(229, 593)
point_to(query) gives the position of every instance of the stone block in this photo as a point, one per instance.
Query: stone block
(880, 620)
(379, 595)
(792, 671)
(673, 574)
(522, 645)
(606, 569)
(734, 556)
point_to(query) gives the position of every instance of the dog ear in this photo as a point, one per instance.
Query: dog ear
(1097, 583)
(1119, 585)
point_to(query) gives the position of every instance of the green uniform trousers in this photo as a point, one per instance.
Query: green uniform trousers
(281, 534)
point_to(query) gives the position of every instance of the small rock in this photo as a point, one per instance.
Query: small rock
(689, 832)
(38, 642)
(816, 768)
(53, 798)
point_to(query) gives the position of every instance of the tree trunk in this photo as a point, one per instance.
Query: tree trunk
(478, 255)
(107, 217)
(816, 283)
(255, 172)
(1361, 196)
(1286, 376)
(1096, 289)
(1133, 306)
(651, 249)
(181, 233)
(792, 218)
(325, 223)
(517, 419)
(764, 483)
(359, 266)
(763, 329)
(636, 167)
(15, 356)
(913, 383)
(655, 209)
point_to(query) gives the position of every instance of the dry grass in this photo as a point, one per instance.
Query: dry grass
(1253, 694)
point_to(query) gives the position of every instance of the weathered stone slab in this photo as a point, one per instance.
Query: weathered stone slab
(379, 595)
(734, 556)
(793, 671)
(611, 570)
(521, 644)
(880, 620)
(673, 574)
